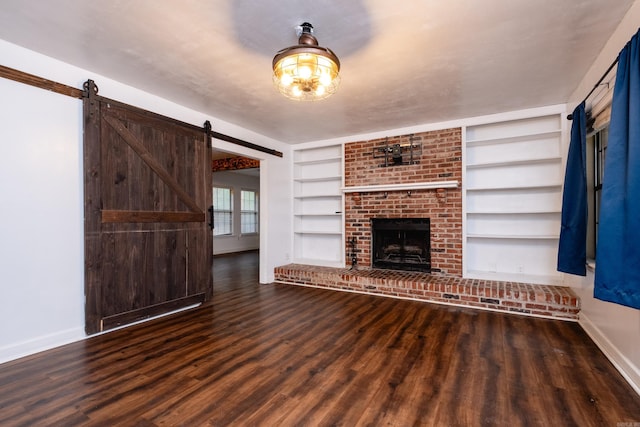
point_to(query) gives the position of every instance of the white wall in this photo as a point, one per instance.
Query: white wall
(615, 328)
(237, 242)
(41, 243)
(41, 248)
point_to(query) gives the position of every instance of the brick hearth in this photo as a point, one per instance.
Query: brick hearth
(521, 298)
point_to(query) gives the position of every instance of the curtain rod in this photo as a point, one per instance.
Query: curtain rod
(570, 116)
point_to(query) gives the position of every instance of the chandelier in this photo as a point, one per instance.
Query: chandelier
(306, 71)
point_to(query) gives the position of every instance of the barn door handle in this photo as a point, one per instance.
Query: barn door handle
(210, 217)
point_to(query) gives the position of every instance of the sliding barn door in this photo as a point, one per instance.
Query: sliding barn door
(147, 190)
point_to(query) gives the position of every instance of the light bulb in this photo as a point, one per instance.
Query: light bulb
(295, 90)
(304, 72)
(287, 62)
(320, 90)
(325, 79)
(324, 62)
(286, 79)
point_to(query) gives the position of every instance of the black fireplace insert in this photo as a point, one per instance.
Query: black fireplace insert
(401, 244)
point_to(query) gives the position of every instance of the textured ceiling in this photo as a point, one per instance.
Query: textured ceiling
(403, 63)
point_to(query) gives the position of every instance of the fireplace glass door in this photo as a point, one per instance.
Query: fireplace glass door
(401, 244)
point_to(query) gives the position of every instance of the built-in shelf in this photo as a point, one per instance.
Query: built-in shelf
(318, 161)
(402, 187)
(316, 196)
(514, 212)
(327, 233)
(512, 236)
(320, 214)
(521, 162)
(318, 203)
(319, 179)
(513, 138)
(513, 186)
(521, 187)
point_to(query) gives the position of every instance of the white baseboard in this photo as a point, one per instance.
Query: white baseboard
(47, 342)
(629, 371)
(36, 345)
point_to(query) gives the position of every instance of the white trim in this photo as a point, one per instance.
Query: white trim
(69, 336)
(400, 187)
(343, 210)
(465, 251)
(615, 356)
(39, 344)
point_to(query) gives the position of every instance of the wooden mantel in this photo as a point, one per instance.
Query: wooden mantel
(401, 187)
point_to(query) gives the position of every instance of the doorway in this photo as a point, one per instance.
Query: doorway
(236, 203)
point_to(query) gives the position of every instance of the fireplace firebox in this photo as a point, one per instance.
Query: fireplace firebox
(401, 244)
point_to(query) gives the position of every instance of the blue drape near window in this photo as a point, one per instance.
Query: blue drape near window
(617, 276)
(572, 249)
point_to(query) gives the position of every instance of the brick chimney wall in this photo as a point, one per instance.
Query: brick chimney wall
(441, 160)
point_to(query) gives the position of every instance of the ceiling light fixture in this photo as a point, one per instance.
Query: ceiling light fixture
(306, 71)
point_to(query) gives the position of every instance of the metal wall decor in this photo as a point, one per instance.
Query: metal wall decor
(407, 153)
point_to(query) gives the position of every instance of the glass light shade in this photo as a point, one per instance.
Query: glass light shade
(306, 72)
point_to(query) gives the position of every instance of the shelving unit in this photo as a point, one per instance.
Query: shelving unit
(318, 204)
(513, 177)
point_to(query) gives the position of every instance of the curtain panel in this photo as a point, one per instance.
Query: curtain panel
(617, 277)
(572, 248)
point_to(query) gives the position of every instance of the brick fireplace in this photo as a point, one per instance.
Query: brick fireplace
(370, 193)
(440, 160)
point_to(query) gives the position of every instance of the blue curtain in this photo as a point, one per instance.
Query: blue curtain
(617, 276)
(572, 249)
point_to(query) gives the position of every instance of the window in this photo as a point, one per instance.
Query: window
(222, 211)
(248, 212)
(596, 152)
(598, 119)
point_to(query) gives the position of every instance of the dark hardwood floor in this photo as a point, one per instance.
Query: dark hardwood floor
(271, 355)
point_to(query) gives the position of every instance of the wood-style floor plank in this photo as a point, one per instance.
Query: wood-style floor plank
(277, 355)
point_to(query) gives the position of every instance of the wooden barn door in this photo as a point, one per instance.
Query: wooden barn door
(147, 191)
